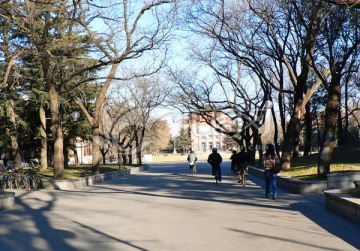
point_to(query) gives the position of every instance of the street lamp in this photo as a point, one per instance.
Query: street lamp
(75, 115)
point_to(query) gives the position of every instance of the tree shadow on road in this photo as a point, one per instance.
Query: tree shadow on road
(33, 225)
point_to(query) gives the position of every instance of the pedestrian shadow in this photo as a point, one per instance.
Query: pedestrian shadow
(31, 226)
(110, 237)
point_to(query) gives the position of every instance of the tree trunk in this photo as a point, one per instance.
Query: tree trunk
(296, 149)
(66, 157)
(43, 137)
(276, 131)
(103, 154)
(289, 138)
(331, 117)
(346, 101)
(96, 149)
(16, 155)
(76, 157)
(119, 156)
(57, 133)
(300, 88)
(308, 129)
(340, 128)
(130, 155)
(282, 112)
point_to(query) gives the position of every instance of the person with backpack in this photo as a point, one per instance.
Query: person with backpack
(269, 161)
(192, 158)
(215, 160)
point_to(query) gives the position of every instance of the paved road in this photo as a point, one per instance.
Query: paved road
(165, 208)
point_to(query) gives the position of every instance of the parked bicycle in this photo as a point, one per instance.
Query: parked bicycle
(20, 178)
(35, 178)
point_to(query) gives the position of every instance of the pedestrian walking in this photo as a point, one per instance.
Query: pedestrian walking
(233, 158)
(215, 160)
(269, 160)
(192, 158)
(242, 163)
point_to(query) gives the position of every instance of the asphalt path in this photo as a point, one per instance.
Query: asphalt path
(166, 208)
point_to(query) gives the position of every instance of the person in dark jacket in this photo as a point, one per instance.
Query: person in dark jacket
(233, 158)
(215, 160)
(242, 163)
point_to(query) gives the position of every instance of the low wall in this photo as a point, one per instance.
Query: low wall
(335, 180)
(343, 205)
(342, 179)
(51, 184)
(7, 200)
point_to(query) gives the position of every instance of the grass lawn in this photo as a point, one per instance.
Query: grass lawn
(170, 157)
(75, 172)
(345, 158)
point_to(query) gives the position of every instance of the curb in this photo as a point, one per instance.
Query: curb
(292, 184)
(336, 180)
(50, 184)
(343, 204)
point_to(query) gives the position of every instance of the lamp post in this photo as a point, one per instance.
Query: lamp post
(76, 115)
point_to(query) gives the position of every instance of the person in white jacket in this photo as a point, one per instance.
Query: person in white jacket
(192, 159)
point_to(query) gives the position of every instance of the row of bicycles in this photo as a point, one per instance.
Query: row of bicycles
(27, 177)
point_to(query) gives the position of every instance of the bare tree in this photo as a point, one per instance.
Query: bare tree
(157, 137)
(126, 37)
(143, 95)
(340, 48)
(271, 43)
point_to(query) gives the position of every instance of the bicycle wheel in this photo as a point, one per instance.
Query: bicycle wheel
(38, 181)
(6, 181)
(25, 182)
(3, 182)
(216, 174)
(13, 183)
